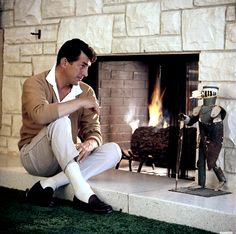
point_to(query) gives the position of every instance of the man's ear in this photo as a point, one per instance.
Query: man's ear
(63, 62)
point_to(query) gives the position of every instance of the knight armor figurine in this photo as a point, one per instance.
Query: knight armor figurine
(210, 119)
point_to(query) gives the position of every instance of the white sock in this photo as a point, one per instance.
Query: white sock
(81, 188)
(55, 181)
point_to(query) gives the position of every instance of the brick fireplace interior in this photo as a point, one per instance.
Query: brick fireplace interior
(124, 86)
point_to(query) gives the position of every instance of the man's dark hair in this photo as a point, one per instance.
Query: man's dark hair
(71, 50)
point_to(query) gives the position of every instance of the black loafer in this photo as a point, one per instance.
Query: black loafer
(94, 205)
(39, 196)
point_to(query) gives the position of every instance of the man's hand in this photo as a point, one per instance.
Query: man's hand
(182, 116)
(90, 103)
(85, 148)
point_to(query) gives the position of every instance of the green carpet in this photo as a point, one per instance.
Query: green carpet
(17, 216)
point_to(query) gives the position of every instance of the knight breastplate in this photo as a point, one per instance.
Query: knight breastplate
(205, 114)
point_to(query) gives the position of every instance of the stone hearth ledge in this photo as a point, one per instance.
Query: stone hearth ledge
(147, 196)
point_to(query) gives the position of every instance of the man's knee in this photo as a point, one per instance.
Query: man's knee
(59, 126)
(63, 121)
(113, 151)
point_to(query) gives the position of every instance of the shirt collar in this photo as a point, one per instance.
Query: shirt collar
(51, 78)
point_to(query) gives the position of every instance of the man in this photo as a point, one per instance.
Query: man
(61, 136)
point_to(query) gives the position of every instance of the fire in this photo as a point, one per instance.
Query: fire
(155, 107)
(134, 124)
(156, 118)
(129, 118)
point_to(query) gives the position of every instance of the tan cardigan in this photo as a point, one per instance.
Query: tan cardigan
(40, 108)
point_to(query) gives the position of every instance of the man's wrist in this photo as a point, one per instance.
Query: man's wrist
(93, 142)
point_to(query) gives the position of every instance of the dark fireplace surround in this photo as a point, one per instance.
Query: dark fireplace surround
(124, 85)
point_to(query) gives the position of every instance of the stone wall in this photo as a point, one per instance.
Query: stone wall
(207, 27)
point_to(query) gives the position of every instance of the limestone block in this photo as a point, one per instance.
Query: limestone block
(230, 160)
(90, 29)
(25, 59)
(231, 182)
(3, 150)
(211, 2)
(3, 141)
(230, 124)
(43, 63)
(143, 19)
(230, 13)
(17, 69)
(217, 66)
(6, 119)
(22, 34)
(19, 35)
(49, 33)
(5, 130)
(6, 19)
(49, 48)
(11, 96)
(31, 49)
(119, 29)
(159, 44)
(170, 22)
(7, 5)
(114, 2)
(51, 21)
(11, 53)
(203, 29)
(88, 7)
(16, 125)
(228, 143)
(125, 45)
(57, 8)
(231, 36)
(27, 12)
(176, 4)
(12, 145)
(221, 159)
(114, 9)
(227, 90)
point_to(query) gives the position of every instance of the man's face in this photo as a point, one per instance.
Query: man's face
(77, 70)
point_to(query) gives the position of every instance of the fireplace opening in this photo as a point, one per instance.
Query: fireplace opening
(125, 86)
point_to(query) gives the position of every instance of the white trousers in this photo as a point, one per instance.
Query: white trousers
(53, 148)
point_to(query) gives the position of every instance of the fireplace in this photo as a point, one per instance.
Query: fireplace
(125, 85)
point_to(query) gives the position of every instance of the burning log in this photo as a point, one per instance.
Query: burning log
(159, 146)
(152, 141)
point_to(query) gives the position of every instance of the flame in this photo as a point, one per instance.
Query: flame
(129, 118)
(134, 124)
(156, 118)
(155, 107)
